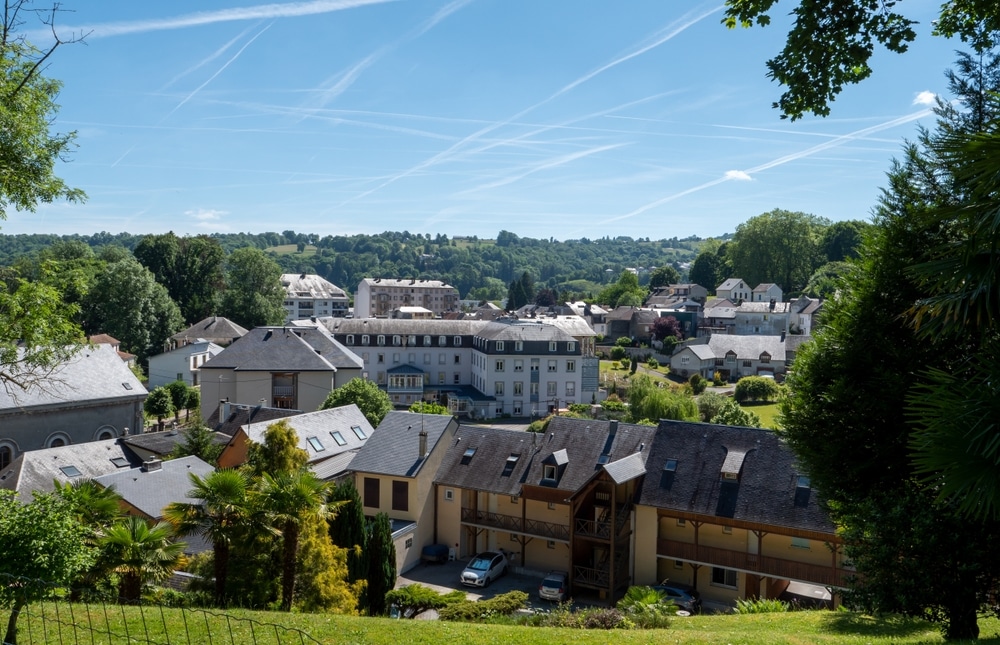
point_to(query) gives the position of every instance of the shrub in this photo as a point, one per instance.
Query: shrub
(652, 363)
(625, 361)
(717, 379)
(580, 408)
(613, 405)
(623, 342)
(468, 610)
(648, 608)
(605, 618)
(618, 353)
(710, 404)
(761, 606)
(756, 388)
(697, 383)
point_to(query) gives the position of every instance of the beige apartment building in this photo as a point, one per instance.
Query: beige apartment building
(378, 297)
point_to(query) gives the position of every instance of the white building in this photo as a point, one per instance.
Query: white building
(378, 297)
(181, 364)
(308, 295)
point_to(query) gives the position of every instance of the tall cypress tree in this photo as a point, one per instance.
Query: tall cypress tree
(347, 529)
(381, 565)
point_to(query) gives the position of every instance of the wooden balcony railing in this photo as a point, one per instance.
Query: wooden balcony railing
(514, 524)
(762, 564)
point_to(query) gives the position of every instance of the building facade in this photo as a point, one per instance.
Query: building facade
(307, 296)
(378, 297)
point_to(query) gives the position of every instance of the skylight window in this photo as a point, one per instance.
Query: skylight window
(802, 482)
(127, 386)
(339, 438)
(511, 463)
(316, 444)
(359, 432)
(670, 466)
(120, 462)
(469, 453)
(71, 471)
(603, 459)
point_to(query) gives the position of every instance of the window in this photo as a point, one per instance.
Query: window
(371, 492)
(457, 379)
(551, 544)
(409, 543)
(724, 577)
(513, 537)
(350, 339)
(681, 522)
(800, 543)
(468, 454)
(339, 438)
(381, 340)
(395, 340)
(498, 388)
(400, 496)
(518, 346)
(718, 362)
(458, 341)
(685, 360)
(518, 365)
(509, 466)
(570, 366)
(550, 388)
(442, 359)
(458, 359)
(449, 495)
(549, 472)
(412, 341)
(570, 346)
(359, 433)
(395, 358)
(670, 465)
(802, 481)
(499, 366)
(678, 564)
(552, 506)
(513, 499)
(427, 341)
(552, 345)
(499, 345)
(517, 408)
(553, 366)
(380, 359)
(570, 388)
(441, 378)
(427, 358)
(442, 341)
(747, 363)
(728, 530)
(316, 444)
(730, 357)
(119, 462)
(71, 471)
(518, 387)
(765, 358)
(366, 339)
(534, 389)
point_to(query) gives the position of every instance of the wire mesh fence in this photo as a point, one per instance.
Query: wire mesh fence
(50, 614)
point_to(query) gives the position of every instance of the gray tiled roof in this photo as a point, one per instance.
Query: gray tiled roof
(310, 285)
(163, 443)
(37, 469)
(334, 466)
(627, 468)
(150, 491)
(94, 373)
(214, 328)
(578, 443)
(749, 347)
(407, 282)
(394, 447)
(241, 414)
(524, 330)
(320, 425)
(729, 284)
(766, 491)
(291, 349)
(403, 327)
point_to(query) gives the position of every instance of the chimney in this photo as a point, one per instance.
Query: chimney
(422, 444)
(152, 464)
(223, 410)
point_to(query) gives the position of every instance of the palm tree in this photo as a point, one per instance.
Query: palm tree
(289, 499)
(95, 507)
(223, 514)
(139, 554)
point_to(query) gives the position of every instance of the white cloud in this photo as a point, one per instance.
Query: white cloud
(206, 214)
(925, 98)
(738, 175)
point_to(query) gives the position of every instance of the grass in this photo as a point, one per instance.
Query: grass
(169, 625)
(768, 413)
(291, 249)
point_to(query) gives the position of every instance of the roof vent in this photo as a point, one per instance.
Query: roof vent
(151, 465)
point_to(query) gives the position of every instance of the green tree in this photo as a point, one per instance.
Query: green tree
(779, 246)
(322, 580)
(815, 70)
(731, 414)
(753, 389)
(647, 400)
(841, 240)
(199, 442)
(128, 303)
(193, 401)
(189, 267)
(625, 292)
(427, 407)
(710, 404)
(710, 268)
(178, 396)
(347, 529)
(40, 541)
(279, 453)
(159, 404)
(381, 565)
(664, 276)
(139, 554)
(373, 402)
(824, 280)
(224, 511)
(289, 498)
(253, 295)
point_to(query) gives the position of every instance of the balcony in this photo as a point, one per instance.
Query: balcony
(754, 563)
(513, 524)
(283, 391)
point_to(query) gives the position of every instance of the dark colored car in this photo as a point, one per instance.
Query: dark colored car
(484, 569)
(684, 596)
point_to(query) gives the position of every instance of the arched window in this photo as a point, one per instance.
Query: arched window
(57, 440)
(6, 455)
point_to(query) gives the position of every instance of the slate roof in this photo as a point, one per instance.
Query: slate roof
(576, 444)
(407, 282)
(213, 328)
(766, 491)
(764, 307)
(763, 286)
(523, 330)
(394, 447)
(285, 349)
(573, 325)
(748, 347)
(402, 326)
(334, 466)
(310, 285)
(321, 425)
(94, 373)
(37, 469)
(241, 414)
(163, 443)
(702, 351)
(150, 491)
(730, 284)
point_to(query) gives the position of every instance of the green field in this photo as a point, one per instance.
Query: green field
(110, 624)
(291, 249)
(768, 413)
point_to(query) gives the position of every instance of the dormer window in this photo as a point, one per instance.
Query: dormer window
(499, 345)
(395, 340)
(765, 357)
(730, 476)
(549, 472)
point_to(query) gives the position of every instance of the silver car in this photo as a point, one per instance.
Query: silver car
(484, 569)
(553, 587)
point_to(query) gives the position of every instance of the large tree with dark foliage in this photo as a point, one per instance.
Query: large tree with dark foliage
(254, 294)
(189, 267)
(892, 408)
(381, 565)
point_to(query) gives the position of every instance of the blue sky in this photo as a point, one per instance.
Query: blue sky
(547, 118)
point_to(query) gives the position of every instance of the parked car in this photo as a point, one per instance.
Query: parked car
(684, 596)
(553, 587)
(484, 569)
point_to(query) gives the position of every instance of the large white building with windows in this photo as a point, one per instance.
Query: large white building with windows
(479, 369)
(307, 295)
(378, 297)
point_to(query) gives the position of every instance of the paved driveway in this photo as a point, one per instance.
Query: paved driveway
(444, 578)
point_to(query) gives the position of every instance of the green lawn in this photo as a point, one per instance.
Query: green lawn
(797, 628)
(768, 413)
(290, 249)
